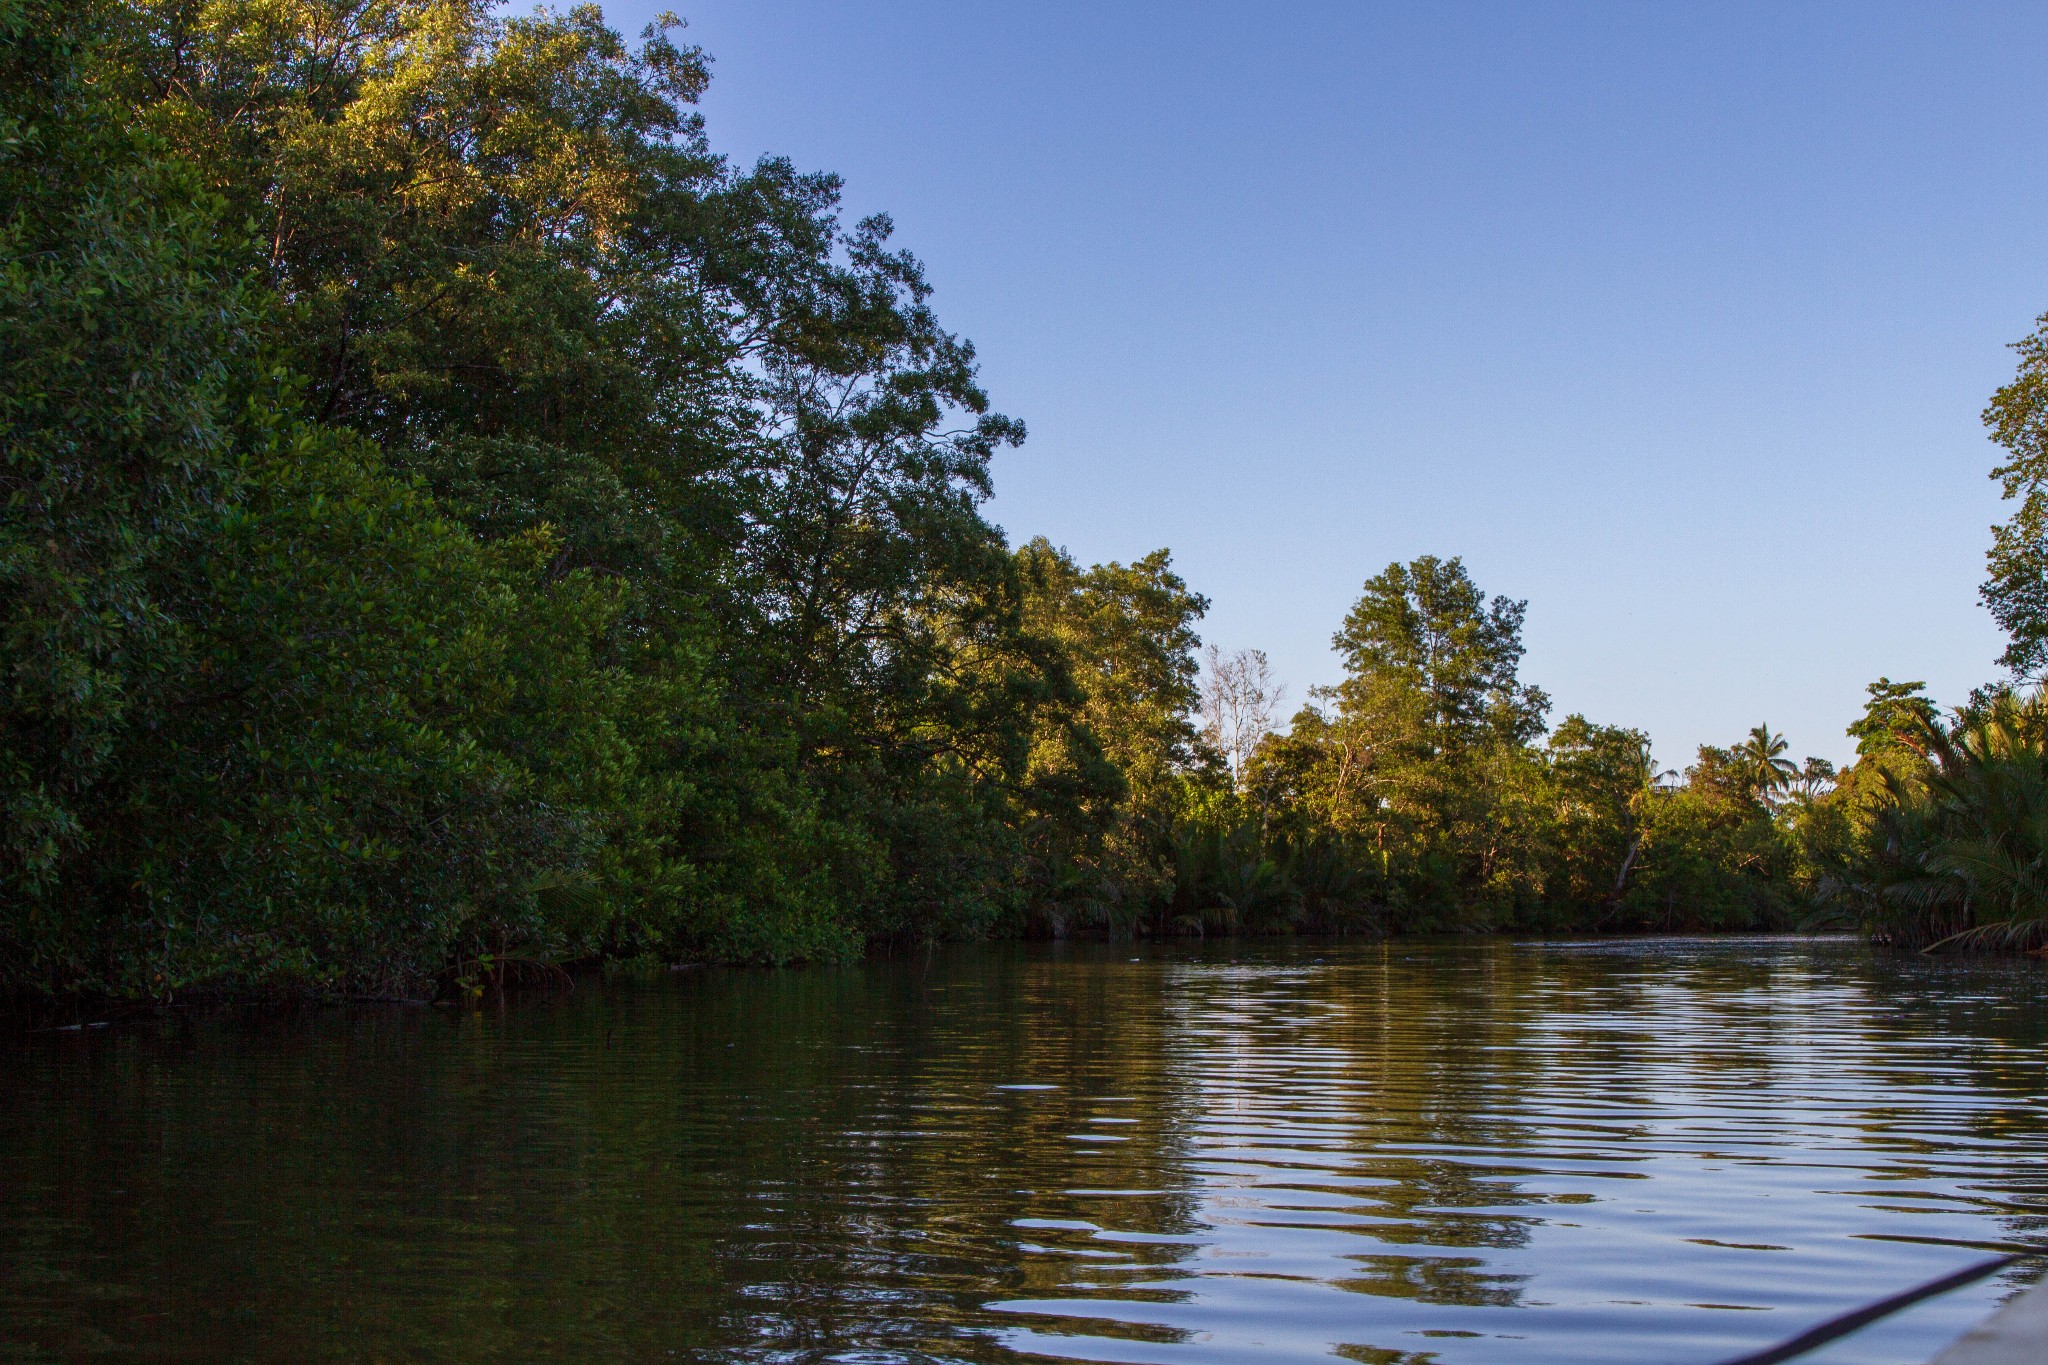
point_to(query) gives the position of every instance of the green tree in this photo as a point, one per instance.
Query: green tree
(304, 733)
(1962, 852)
(1126, 633)
(118, 322)
(1424, 641)
(2016, 592)
(1431, 733)
(1713, 855)
(512, 259)
(1835, 816)
(1893, 715)
(1601, 778)
(1761, 764)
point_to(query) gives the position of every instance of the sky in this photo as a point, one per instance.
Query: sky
(1673, 320)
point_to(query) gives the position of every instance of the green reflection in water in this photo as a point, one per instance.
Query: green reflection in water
(1471, 1152)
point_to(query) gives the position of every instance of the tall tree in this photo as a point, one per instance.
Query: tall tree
(1760, 760)
(1422, 637)
(1127, 635)
(1432, 728)
(1241, 698)
(2017, 589)
(1894, 714)
(513, 260)
(305, 733)
(1602, 776)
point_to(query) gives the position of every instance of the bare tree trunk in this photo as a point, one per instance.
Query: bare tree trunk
(1621, 877)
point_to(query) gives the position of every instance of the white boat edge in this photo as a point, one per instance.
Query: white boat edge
(2017, 1334)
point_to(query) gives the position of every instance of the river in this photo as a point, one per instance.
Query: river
(1462, 1152)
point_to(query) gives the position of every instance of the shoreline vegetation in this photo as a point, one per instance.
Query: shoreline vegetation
(457, 523)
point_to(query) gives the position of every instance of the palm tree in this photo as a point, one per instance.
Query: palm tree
(1654, 778)
(1964, 845)
(1225, 880)
(1761, 761)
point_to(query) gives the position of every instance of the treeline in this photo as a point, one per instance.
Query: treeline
(454, 519)
(1427, 792)
(1392, 811)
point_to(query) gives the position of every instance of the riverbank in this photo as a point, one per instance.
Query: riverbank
(527, 981)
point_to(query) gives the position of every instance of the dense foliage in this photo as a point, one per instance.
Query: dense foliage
(455, 518)
(457, 521)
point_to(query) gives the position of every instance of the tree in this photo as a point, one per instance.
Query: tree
(1760, 763)
(1962, 852)
(1602, 775)
(512, 259)
(1126, 635)
(305, 733)
(121, 323)
(1240, 699)
(1430, 737)
(649, 577)
(1422, 637)
(1815, 780)
(2016, 592)
(1893, 715)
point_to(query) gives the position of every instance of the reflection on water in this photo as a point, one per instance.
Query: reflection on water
(1664, 1151)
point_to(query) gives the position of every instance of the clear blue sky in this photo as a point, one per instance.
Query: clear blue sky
(1673, 319)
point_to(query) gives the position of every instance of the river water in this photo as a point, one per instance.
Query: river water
(1646, 1151)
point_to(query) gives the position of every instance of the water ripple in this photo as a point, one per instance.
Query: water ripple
(1465, 1154)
